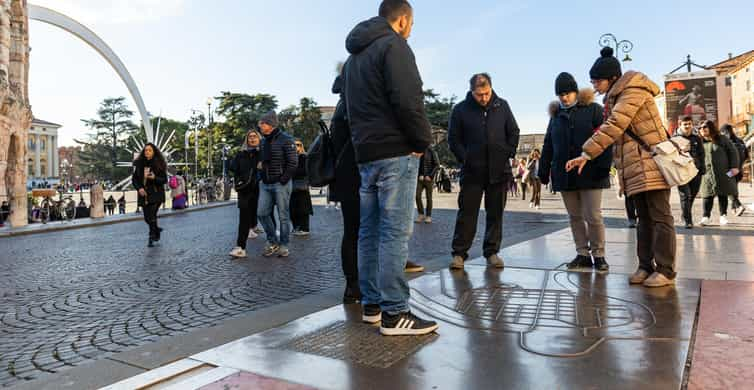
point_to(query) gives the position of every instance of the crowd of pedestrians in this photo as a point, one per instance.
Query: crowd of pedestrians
(381, 137)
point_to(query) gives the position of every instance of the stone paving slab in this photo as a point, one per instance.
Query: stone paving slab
(724, 337)
(516, 328)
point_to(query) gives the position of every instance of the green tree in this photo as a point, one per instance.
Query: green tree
(107, 144)
(438, 112)
(306, 124)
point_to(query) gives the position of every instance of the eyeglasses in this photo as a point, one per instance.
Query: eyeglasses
(299, 144)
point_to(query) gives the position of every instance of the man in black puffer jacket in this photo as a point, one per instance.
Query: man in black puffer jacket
(279, 162)
(389, 132)
(483, 135)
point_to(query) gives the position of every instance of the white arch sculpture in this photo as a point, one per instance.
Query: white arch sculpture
(64, 22)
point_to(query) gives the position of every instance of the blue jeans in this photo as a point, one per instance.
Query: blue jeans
(271, 195)
(387, 194)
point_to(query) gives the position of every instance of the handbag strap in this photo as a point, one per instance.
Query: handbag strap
(636, 138)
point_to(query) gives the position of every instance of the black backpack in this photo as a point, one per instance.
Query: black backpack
(321, 160)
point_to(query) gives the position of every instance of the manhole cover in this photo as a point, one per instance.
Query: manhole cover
(357, 343)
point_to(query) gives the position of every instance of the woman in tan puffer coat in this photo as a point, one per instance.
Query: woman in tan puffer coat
(630, 108)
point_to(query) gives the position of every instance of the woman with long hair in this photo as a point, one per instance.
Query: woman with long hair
(245, 168)
(532, 166)
(719, 180)
(743, 156)
(149, 178)
(301, 199)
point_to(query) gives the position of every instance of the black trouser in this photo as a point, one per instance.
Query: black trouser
(656, 242)
(469, 201)
(424, 186)
(150, 217)
(350, 208)
(688, 194)
(300, 210)
(722, 205)
(630, 208)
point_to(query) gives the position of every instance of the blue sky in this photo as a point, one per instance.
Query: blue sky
(183, 51)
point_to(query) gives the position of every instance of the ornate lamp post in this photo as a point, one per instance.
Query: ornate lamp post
(625, 46)
(209, 137)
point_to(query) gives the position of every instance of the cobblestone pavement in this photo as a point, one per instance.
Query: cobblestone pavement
(72, 296)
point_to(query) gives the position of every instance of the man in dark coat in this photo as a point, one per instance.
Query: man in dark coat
(689, 191)
(279, 162)
(573, 119)
(483, 136)
(389, 131)
(428, 167)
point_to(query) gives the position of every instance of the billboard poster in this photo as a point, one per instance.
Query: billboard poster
(690, 94)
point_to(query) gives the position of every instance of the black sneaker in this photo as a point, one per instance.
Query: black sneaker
(600, 264)
(371, 314)
(580, 262)
(406, 324)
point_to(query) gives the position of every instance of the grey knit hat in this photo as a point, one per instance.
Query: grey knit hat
(270, 118)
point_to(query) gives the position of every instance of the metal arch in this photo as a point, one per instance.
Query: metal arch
(64, 22)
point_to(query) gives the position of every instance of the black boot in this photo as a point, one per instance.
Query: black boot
(158, 234)
(580, 262)
(352, 294)
(151, 243)
(600, 264)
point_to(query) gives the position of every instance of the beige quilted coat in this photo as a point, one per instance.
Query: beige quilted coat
(630, 102)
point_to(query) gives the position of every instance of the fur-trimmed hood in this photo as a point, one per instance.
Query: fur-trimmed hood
(585, 98)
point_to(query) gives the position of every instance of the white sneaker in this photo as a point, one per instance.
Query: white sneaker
(419, 219)
(723, 220)
(238, 252)
(704, 222)
(252, 234)
(740, 211)
(531, 205)
(536, 207)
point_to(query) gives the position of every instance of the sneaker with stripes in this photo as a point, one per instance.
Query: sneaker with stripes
(406, 324)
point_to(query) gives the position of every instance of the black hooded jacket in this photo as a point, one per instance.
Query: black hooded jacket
(483, 139)
(383, 91)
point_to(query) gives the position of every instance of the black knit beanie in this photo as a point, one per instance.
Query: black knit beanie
(565, 83)
(606, 67)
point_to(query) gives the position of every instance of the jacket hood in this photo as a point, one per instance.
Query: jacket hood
(367, 32)
(585, 98)
(633, 79)
(337, 86)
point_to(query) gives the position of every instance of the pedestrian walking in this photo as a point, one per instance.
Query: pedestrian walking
(389, 131)
(178, 191)
(483, 136)
(245, 168)
(345, 189)
(722, 166)
(428, 166)
(279, 162)
(149, 179)
(110, 205)
(301, 199)
(532, 166)
(743, 156)
(632, 119)
(122, 204)
(573, 119)
(689, 191)
(522, 177)
(516, 182)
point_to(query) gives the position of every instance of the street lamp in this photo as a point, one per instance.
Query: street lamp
(609, 40)
(209, 137)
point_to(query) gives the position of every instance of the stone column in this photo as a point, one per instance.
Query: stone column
(50, 157)
(37, 153)
(97, 201)
(55, 157)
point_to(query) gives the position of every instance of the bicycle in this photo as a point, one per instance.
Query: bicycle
(63, 209)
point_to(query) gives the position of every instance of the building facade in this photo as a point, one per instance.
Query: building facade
(529, 142)
(42, 157)
(735, 91)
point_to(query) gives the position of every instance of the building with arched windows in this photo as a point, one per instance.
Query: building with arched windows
(42, 157)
